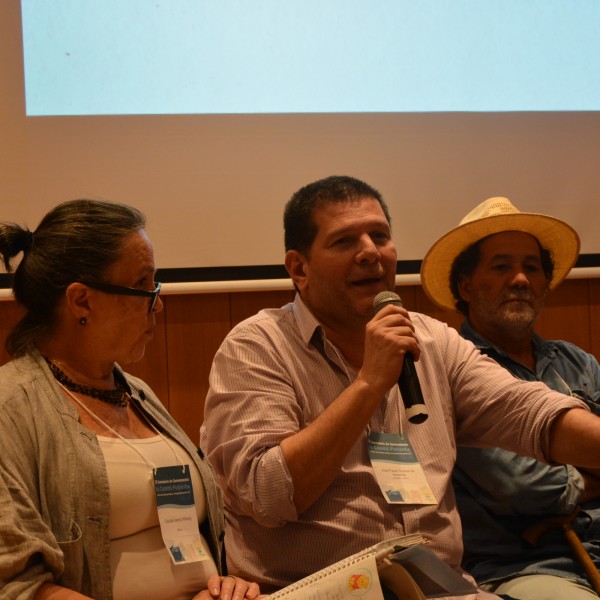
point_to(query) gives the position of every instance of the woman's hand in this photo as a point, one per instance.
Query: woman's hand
(229, 588)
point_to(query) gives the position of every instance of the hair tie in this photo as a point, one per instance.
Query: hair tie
(27, 240)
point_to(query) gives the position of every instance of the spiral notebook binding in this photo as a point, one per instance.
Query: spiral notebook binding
(379, 551)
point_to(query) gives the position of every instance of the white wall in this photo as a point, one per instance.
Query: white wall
(213, 187)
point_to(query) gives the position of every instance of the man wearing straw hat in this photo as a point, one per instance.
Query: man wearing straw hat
(496, 268)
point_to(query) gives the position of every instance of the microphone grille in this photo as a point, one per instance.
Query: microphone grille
(384, 298)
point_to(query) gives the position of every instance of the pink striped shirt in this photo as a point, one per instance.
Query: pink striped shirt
(276, 372)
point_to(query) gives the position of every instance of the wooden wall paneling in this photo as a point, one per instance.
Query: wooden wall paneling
(191, 328)
(10, 314)
(153, 366)
(246, 304)
(566, 315)
(424, 305)
(407, 294)
(594, 304)
(196, 326)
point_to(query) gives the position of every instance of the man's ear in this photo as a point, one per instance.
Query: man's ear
(464, 288)
(77, 296)
(297, 267)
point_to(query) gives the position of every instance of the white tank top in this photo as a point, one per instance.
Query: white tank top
(141, 568)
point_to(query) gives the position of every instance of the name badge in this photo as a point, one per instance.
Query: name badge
(177, 514)
(397, 470)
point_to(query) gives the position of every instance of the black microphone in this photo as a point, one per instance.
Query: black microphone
(408, 382)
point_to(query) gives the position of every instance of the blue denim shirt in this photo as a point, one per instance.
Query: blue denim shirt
(501, 494)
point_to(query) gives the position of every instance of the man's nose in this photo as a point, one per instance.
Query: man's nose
(519, 279)
(368, 251)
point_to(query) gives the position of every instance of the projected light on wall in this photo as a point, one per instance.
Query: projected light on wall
(309, 56)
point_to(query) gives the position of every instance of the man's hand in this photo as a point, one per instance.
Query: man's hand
(389, 335)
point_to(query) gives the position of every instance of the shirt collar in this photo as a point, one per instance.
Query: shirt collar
(313, 334)
(308, 326)
(541, 347)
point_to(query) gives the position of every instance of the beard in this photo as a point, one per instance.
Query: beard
(505, 312)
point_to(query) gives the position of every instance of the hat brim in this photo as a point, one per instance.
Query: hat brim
(553, 234)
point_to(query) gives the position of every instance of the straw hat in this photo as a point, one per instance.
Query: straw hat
(496, 215)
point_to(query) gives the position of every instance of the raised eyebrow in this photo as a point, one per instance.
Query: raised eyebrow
(534, 258)
(340, 233)
(147, 272)
(352, 230)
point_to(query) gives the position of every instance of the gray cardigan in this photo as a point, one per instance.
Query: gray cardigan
(54, 497)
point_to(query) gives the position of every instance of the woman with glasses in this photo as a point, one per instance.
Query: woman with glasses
(102, 495)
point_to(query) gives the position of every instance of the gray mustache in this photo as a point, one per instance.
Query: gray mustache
(527, 297)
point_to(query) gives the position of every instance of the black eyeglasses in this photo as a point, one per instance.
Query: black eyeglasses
(120, 290)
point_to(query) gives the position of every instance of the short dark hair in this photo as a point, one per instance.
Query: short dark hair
(466, 262)
(299, 227)
(77, 240)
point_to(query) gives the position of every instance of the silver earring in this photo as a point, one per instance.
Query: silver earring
(82, 321)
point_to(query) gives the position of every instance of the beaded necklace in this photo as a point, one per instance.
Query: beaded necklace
(118, 396)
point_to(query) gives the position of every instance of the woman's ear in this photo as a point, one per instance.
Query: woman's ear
(77, 296)
(297, 267)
